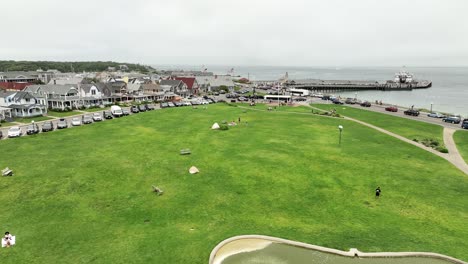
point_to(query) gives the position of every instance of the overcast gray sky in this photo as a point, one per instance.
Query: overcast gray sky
(240, 32)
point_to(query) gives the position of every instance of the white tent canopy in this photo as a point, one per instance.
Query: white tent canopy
(215, 126)
(193, 170)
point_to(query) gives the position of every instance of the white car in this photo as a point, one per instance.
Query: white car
(14, 131)
(436, 115)
(97, 117)
(76, 121)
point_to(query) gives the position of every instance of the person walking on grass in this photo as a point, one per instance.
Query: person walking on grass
(239, 120)
(377, 192)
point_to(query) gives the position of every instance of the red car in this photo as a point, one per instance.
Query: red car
(391, 109)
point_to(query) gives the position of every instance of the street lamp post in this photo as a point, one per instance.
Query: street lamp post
(431, 106)
(340, 127)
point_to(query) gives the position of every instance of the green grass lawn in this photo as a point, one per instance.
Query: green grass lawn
(286, 108)
(62, 114)
(29, 119)
(83, 194)
(404, 127)
(91, 110)
(461, 140)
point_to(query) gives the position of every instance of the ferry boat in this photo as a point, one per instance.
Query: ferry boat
(406, 80)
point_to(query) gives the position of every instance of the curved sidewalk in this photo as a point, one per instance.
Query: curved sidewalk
(260, 241)
(453, 156)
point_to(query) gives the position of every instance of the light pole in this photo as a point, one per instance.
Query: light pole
(340, 127)
(355, 96)
(431, 106)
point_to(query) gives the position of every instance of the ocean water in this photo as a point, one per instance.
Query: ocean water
(449, 91)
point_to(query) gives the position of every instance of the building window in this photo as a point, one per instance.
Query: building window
(93, 92)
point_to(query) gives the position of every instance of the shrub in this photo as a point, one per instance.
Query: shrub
(223, 127)
(442, 149)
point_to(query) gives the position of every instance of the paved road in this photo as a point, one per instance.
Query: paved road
(55, 120)
(381, 109)
(453, 156)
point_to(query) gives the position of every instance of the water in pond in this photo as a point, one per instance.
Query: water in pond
(278, 253)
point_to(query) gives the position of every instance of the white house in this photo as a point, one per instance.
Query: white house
(23, 104)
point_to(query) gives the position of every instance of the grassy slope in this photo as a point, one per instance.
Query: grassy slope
(461, 140)
(83, 194)
(62, 114)
(401, 126)
(29, 119)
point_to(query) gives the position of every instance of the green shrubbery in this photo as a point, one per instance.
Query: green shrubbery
(223, 127)
(66, 109)
(432, 143)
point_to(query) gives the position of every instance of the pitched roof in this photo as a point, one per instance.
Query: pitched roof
(173, 83)
(6, 93)
(50, 88)
(14, 85)
(87, 87)
(189, 81)
(69, 80)
(151, 86)
(22, 95)
(215, 81)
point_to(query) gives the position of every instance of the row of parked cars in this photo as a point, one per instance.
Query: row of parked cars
(350, 101)
(206, 100)
(62, 123)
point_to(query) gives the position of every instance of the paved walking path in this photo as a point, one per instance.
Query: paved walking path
(453, 156)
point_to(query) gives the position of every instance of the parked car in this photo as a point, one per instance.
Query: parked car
(107, 114)
(149, 107)
(116, 111)
(170, 104)
(366, 104)
(337, 101)
(32, 129)
(62, 123)
(301, 99)
(134, 109)
(97, 117)
(187, 103)
(452, 119)
(350, 101)
(87, 119)
(436, 115)
(163, 105)
(411, 112)
(178, 104)
(391, 109)
(142, 108)
(14, 131)
(47, 126)
(76, 121)
(125, 112)
(464, 124)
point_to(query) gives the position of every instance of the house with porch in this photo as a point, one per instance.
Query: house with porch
(176, 86)
(215, 82)
(159, 93)
(57, 96)
(192, 84)
(21, 104)
(92, 95)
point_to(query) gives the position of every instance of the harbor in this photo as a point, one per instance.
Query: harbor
(403, 81)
